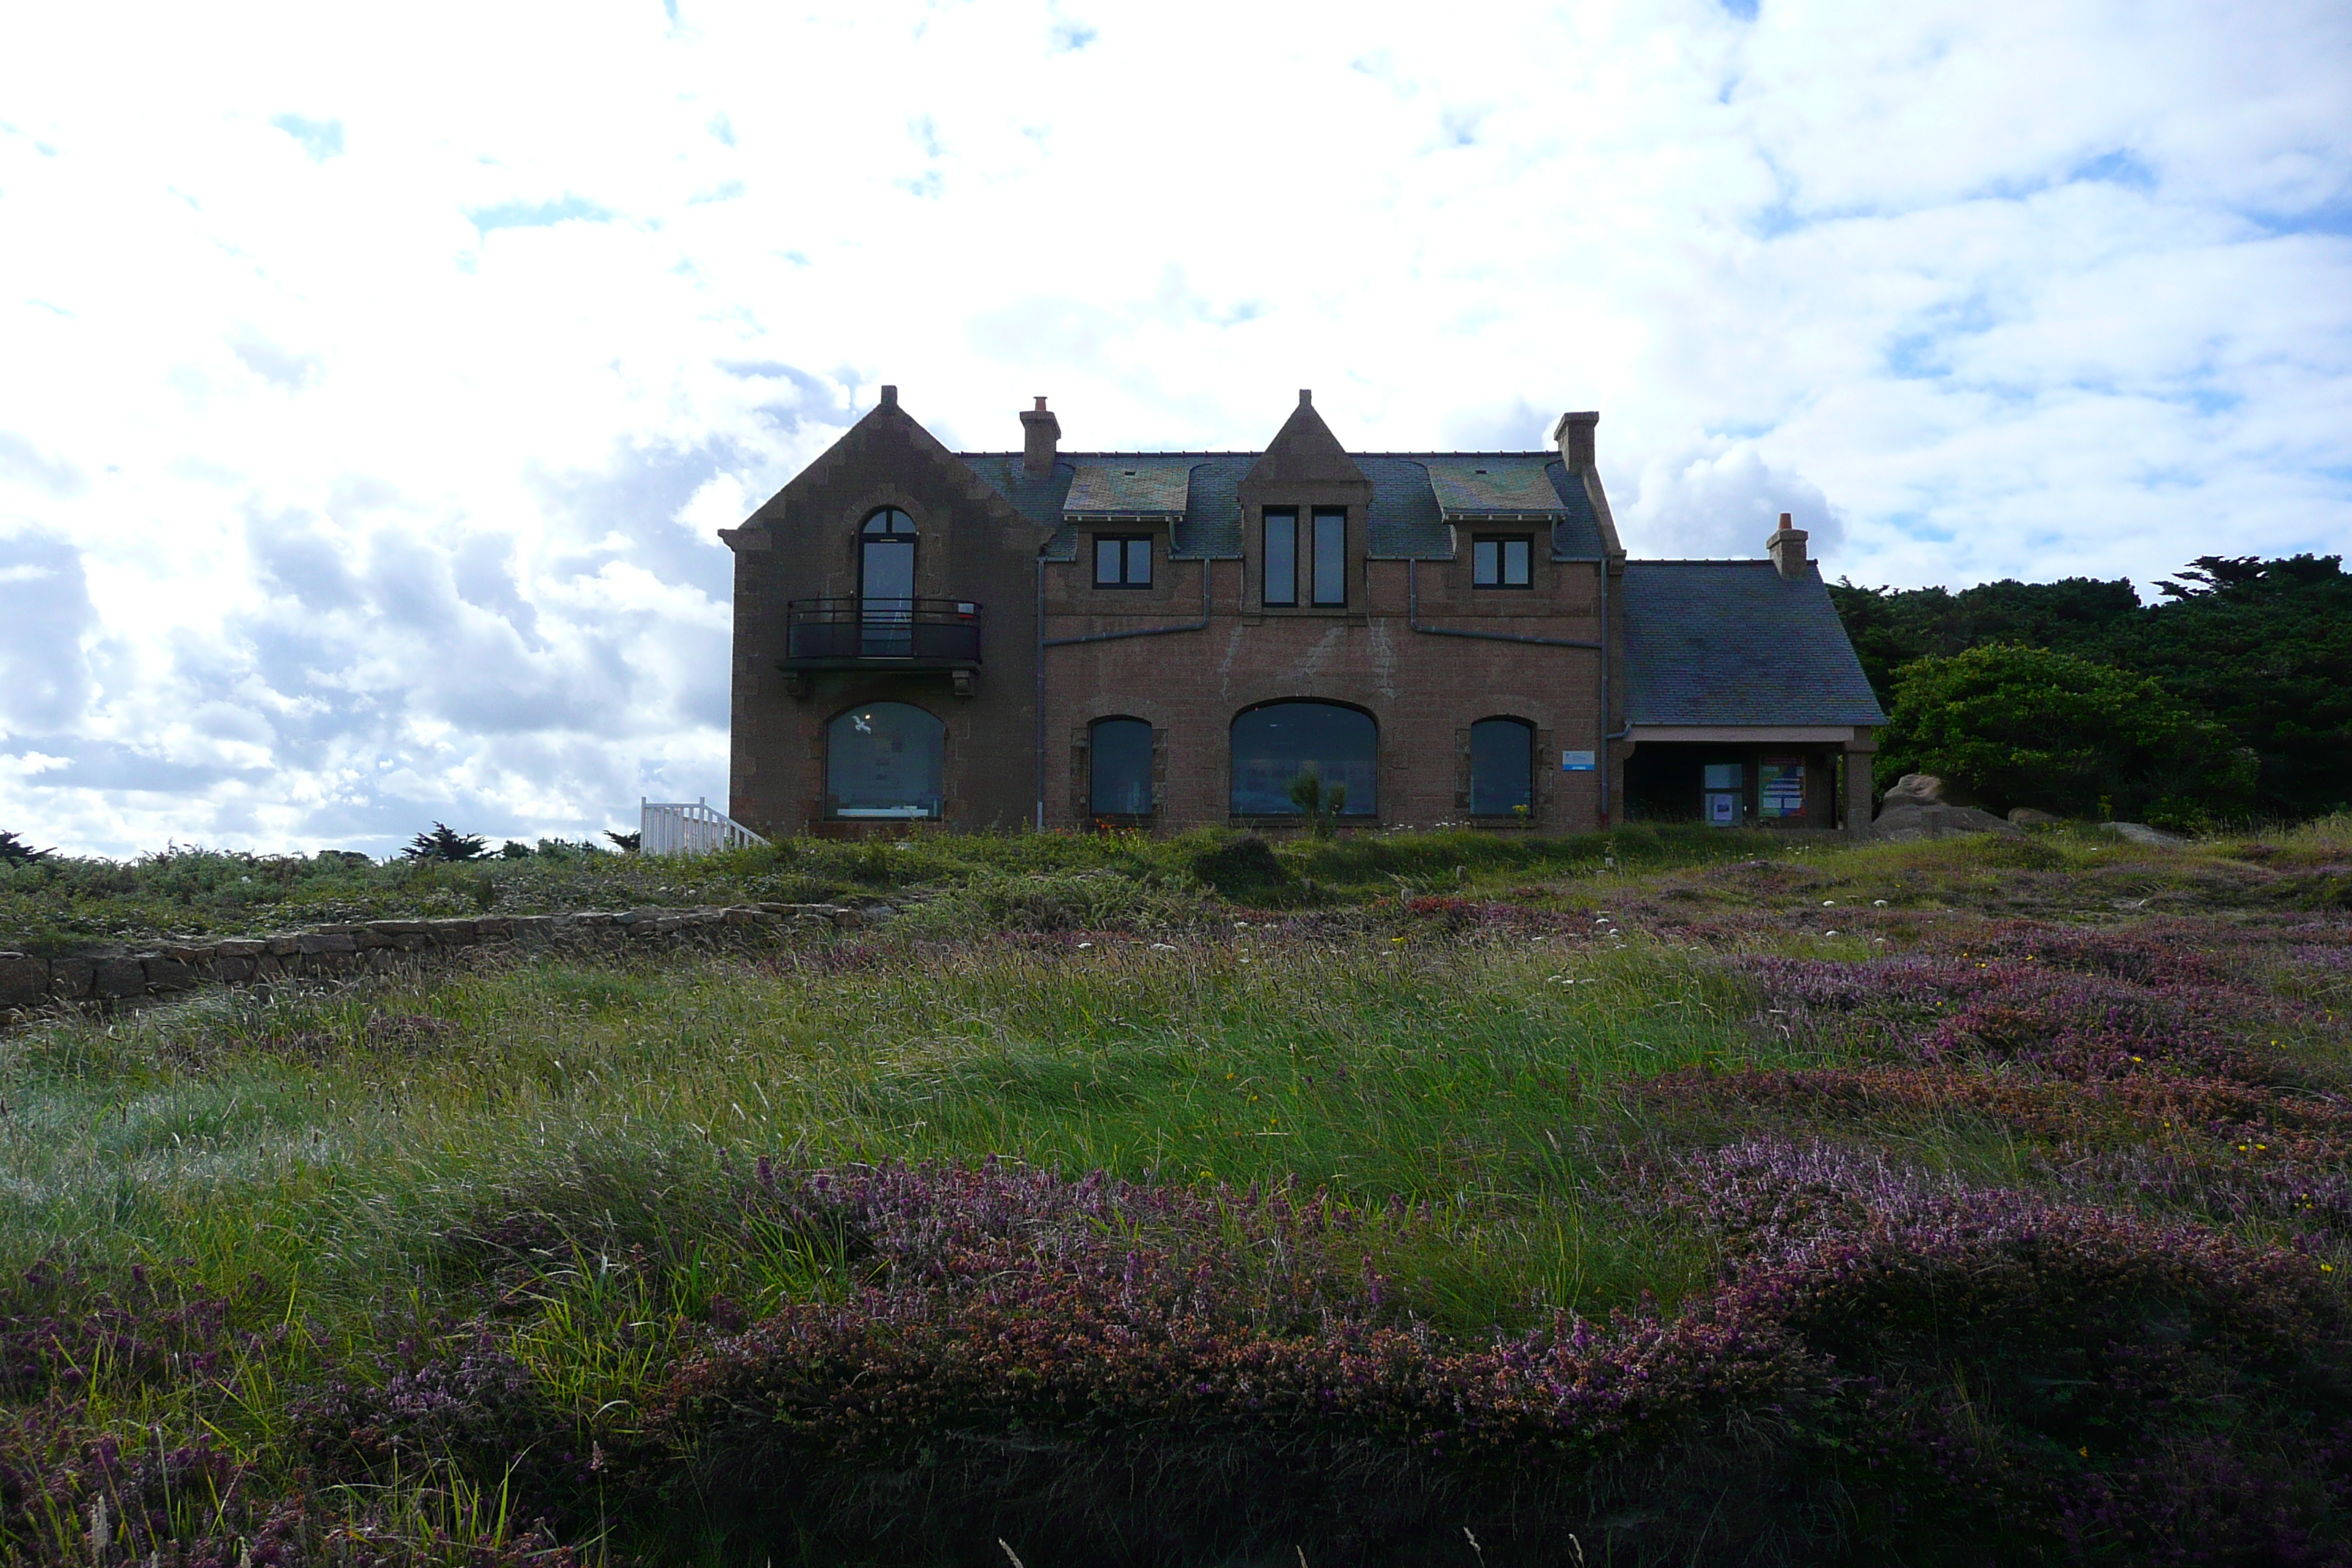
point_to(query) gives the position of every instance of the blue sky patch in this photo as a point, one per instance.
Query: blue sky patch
(321, 139)
(538, 214)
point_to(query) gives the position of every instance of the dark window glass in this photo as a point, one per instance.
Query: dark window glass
(1119, 758)
(1502, 767)
(1281, 555)
(884, 760)
(886, 585)
(1122, 560)
(1499, 563)
(1331, 556)
(1282, 741)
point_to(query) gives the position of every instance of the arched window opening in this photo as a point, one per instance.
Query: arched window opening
(1119, 753)
(886, 584)
(885, 758)
(1277, 744)
(1502, 767)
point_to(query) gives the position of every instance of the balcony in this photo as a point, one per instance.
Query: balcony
(845, 632)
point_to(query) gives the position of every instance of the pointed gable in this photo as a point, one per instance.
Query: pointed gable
(1305, 462)
(1304, 451)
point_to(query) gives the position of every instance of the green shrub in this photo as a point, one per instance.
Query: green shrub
(2020, 726)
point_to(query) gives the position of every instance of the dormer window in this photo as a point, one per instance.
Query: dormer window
(1122, 560)
(1330, 555)
(1501, 561)
(1281, 556)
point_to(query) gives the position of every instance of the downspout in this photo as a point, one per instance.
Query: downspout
(1041, 690)
(1412, 620)
(1199, 625)
(1044, 642)
(1607, 765)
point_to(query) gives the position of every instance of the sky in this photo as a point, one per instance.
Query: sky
(372, 381)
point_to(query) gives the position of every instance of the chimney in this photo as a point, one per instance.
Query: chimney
(1787, 549)
(1573, 437)
(1041, 433)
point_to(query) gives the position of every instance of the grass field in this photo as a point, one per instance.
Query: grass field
(1416, 1199)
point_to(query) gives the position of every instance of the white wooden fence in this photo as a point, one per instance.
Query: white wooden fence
(688, 828)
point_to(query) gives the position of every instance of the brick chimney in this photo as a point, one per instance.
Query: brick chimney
(1573, 437)
(1041, 434)
(1787, 549)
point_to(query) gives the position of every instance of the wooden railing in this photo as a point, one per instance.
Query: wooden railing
(688, 828)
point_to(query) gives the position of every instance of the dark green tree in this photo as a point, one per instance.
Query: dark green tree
(1891, 628)
(445, 843)
(14, 851)
(627, 842)
(2023, 726)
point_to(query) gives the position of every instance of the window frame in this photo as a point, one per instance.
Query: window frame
(1094, 812)
(1286, 517)
(934, 807)
(1126, 554)
(1359, 811)
(1336, 517)
(1526, 729)
(1501, 543)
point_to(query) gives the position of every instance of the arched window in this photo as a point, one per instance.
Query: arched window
(1119, 762)
(886, 584)
(1282, 741)
(1502, 767)
(884, 760)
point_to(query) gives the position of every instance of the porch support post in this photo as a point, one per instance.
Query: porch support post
(1858, 755)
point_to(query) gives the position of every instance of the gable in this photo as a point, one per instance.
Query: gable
(1304, 452)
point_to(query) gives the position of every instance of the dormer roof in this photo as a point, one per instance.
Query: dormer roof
(1304, 452)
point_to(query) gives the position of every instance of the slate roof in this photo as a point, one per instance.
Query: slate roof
(1732, 642)
(1417, 497)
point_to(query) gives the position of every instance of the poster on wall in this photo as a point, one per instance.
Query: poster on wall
(1780, 787)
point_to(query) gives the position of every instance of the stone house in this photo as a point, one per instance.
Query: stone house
(1163, 640)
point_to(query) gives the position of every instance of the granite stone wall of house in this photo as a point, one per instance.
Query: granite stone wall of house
(118, 975)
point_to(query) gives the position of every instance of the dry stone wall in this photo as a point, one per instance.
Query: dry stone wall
(342, 951)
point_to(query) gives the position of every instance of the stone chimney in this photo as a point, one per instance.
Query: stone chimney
(1041, 435)
(1787, 549)
(1573, 437)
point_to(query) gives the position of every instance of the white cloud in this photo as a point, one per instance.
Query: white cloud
(373, 391)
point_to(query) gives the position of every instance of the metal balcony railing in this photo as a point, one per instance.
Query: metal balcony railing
(845, 632)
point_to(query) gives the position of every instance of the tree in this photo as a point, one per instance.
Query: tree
(2024, 726)
(14, 851)
(445, 843)
(628, 843)
(1891, 628)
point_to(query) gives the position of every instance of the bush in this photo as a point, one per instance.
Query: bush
(2019, 726)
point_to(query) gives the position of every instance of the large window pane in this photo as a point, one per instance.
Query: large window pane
(1331, 557)
(884, 760)
(1281, 555)
(1502, 767)
(1274, 744)
(1120, 756)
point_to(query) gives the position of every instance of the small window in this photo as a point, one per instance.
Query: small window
(1281, 556)
(1122, 560)
(1500, 561)
(1502, 767)
(1330, 555)
(1119, 753)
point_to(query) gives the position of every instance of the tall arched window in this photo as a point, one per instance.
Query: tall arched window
(886, 584)
(1118, 763)
(1280, 743)
(1502, 767)
(885, 758)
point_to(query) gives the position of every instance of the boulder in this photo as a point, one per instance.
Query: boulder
(24, 980)
(2141, 833)
(1926, 789)
(1903, 822)
(2027, 816)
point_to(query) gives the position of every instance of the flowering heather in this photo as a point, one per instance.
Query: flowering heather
(1147, 1337)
